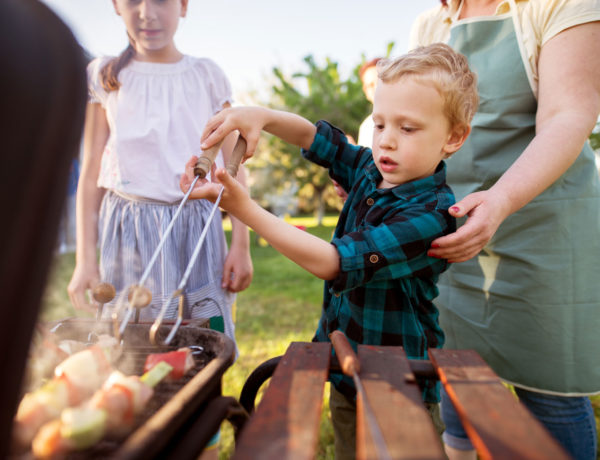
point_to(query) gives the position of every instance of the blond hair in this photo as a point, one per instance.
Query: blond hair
(447, 70)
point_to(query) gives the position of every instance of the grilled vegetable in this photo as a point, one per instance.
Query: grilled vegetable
(75, 380)
(181, 360)
(112, 409)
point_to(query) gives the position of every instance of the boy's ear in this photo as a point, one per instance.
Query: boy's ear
(456, 139)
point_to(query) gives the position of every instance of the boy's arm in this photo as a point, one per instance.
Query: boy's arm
(250, 121)
(310, 252)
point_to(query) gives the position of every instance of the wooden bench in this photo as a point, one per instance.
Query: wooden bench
(286, 423)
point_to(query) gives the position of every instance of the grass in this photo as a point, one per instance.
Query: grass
(282, 305)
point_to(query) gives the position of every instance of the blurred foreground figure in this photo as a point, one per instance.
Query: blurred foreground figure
(41, 118)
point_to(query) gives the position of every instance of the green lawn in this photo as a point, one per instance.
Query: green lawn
(281, 306)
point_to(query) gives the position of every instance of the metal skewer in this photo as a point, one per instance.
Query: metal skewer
(139, 294)
(204, 164)
(102, 293)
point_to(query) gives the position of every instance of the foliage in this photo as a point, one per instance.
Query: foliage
(319, 92)
(595, 136)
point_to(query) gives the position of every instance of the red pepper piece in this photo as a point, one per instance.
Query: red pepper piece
(179, 360)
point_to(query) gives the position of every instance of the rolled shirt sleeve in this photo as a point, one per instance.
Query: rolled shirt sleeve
(396, 248)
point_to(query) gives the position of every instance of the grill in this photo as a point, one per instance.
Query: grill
(182, 415)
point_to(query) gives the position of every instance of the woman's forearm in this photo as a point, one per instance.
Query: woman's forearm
(555, 147)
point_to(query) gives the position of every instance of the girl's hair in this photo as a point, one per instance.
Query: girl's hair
(109, 75)
(447, 70)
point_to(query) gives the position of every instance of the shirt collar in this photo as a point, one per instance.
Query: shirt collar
(451, 12)
(412, 188)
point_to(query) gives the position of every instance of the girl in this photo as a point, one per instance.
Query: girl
(145, 115)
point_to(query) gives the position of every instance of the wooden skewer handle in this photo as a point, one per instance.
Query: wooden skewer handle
(236, 156)
(206, 160)
(103, 292)
(346, 356)
(139, 296)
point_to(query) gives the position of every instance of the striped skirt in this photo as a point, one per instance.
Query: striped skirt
(129, 232)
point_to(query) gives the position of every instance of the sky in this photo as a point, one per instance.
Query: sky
(247, 38)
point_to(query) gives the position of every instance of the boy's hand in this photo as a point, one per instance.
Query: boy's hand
(233, 196)
(203, 188)
(249, 121)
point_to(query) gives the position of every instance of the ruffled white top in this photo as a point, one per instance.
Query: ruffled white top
(156, 119)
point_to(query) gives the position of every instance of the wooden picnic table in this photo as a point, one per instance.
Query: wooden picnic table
(286, 423)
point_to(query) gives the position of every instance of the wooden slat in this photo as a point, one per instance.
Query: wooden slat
(498, 425)
(286, 422)
(396, 401)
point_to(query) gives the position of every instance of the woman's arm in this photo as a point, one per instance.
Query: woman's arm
(568, 107)
(89, 197)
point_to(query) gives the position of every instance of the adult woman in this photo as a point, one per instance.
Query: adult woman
(525, 294)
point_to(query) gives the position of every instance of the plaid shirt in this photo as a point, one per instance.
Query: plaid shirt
(383, 294)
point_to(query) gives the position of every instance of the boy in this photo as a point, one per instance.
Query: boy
(379, 280)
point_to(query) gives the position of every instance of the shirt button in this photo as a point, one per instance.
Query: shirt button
(370, 201)
(373, 258)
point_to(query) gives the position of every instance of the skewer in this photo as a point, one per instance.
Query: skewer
(102, 293)
(202, 168)
(232, 169)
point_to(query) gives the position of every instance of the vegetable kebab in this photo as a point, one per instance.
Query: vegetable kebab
(74, 381)
(111, 410)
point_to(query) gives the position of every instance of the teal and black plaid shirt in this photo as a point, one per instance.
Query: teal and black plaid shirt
(383, 294)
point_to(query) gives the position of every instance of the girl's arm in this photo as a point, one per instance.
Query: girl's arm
(250, 121)
(313, 254)
(568, 107)
(89, 196)
(237, 270)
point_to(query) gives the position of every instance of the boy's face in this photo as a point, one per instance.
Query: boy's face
(412, 134)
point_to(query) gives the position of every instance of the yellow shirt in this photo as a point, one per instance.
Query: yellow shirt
(539, 21)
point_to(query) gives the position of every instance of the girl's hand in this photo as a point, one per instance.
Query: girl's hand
(84, 279)
(249, 121)
(238, 270)
(486, 211)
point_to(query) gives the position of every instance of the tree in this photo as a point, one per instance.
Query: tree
(318, 93)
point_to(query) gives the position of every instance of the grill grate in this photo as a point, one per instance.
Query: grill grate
(191, 393)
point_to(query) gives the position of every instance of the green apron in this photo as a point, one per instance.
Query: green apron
(530, 302)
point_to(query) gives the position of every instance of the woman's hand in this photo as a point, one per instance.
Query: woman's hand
(485, 212)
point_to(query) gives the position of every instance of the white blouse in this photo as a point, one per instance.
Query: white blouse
(155, 120)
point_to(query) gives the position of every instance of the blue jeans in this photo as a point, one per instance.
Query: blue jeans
(570, 420)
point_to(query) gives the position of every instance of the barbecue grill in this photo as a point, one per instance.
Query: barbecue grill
(182, 415)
